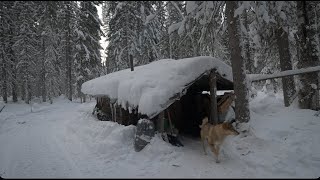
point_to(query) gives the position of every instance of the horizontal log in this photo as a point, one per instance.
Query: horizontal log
(261, 77)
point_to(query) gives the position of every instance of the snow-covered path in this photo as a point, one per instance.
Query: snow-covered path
(29, 143)
(64, 140)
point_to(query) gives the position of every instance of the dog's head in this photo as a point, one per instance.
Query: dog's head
(229, 129)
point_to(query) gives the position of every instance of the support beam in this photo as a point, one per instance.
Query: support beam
(213, 98)
(160, 122)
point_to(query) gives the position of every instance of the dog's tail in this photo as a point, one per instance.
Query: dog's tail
(204, 121)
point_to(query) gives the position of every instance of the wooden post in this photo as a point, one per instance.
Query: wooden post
(170, 123)
(131, 62)
(111, 107)
(160, 123)
(213, 98)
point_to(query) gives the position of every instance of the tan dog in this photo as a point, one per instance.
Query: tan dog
(215, 134)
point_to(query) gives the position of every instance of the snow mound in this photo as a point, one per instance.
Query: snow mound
(119, 137)
(101, 137)
(149, 87)
(266, 102)
(158, 146)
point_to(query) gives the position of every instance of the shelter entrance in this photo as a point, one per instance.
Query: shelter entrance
(187, 113)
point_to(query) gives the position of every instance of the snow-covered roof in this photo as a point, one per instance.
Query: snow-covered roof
(149, 87)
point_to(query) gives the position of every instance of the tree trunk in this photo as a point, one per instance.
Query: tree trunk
(23, 90)
(29, 90)
(248, 60)
(14, 84)
(13, 66)
(107, 64)
(4, 63)
(288, 85)
(131, 62)
(4, 77)
(238, 65)
(43, 73)
(68, 51)
(308, 56)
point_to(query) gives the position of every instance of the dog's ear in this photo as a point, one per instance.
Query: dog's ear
(225, 125)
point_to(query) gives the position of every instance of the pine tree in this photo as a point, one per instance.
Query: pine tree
(26, 46)
(282, 16)
(48, 34)
(87, 56)
(308, 95)
(2, 52)
(238, 65)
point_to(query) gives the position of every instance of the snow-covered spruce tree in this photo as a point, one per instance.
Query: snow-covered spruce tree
(68, 21)
(284, 17)
(204, 24)
(61, 44)
(263, 57)
(49, 53)
(120, 34)
(3, 57)
(245, 20)
(238, 64)
(151, 34)
(307, 36)
(276, 20)
(129, 35)
(87, 59)
(25, 46)
(8, 20)
(162, 16)
(261, 35)
(108, 11)
(68, 40)
(177, 46)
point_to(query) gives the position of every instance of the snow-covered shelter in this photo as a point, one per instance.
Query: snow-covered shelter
(166, 85)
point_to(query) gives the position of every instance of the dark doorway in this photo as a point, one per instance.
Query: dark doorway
(188, 112)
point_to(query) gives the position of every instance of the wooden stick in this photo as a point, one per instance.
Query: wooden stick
(2, 108)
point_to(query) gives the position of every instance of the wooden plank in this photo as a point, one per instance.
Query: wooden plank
(213, 98)
(261, 77)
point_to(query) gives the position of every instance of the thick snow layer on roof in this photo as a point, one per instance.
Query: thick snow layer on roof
(150, 86)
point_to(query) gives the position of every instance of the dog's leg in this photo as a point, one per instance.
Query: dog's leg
(218, 151)
(202, 140)
(215, 150)
(204, 149)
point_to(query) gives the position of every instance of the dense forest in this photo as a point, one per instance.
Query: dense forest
(49, 48)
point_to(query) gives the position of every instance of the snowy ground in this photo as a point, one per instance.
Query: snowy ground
(65, 140)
